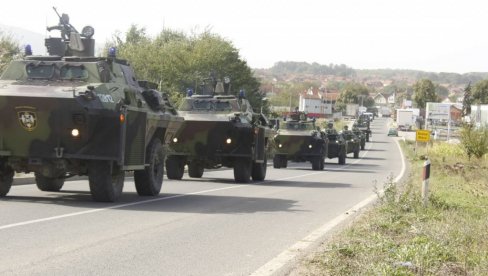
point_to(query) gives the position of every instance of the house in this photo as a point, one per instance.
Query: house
(380, 100)
(317, 103)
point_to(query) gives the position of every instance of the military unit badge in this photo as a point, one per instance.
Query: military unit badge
(27, 119)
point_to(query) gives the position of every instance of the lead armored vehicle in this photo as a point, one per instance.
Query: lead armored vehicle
(71, 113)
(299, 140)
(220, 130)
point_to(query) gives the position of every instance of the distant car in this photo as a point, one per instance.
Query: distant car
(392, 132)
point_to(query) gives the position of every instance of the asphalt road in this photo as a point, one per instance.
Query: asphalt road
(208, 226)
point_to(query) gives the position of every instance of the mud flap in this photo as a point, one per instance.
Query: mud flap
(135, 140)
(260, 145)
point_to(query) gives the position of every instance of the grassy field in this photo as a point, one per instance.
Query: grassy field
(400, 236)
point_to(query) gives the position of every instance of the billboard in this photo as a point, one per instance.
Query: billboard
(438, 111)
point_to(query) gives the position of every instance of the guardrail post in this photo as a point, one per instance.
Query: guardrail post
(425, 182)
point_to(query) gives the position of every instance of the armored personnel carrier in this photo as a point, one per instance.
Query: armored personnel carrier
(299, 140)
(353, 143)
(362, 123)
(70, 113)
(360, 135)
(220, 130)
(336, 147)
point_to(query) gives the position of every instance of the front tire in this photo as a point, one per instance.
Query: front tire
(6, 179)
(175, 167)
(242, 170)
(195, 170)
(276, 162)
(316, 163)
(149, 181)
(342, 157)
(284, 161)
(48, 184)
(259, 170)
(356, 152)
(106, 183)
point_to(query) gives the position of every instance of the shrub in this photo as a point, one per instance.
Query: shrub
(474, 141)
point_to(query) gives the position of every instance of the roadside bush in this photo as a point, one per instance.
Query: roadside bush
(474, 141)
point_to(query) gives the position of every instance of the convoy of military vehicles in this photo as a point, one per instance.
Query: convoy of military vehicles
(70, 113)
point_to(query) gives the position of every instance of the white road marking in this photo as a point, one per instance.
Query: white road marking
(292, 252)
(278, 261)
(3, 227)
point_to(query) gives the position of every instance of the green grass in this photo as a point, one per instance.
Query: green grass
(400, 236)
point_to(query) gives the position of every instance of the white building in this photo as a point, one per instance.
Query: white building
(314, 104)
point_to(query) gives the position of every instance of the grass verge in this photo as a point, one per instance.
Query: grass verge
(400, 236)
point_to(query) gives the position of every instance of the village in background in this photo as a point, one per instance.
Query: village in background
(390, 94)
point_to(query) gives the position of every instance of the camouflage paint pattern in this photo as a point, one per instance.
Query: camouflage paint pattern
(39, 112)
(214, 136)
(336, 144)
(352, 141)
(300, 141)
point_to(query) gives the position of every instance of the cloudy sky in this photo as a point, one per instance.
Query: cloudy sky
(429, 35)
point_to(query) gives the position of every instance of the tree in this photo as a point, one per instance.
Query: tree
(480, 92)
(177, 61)
(467, 101)
(9, 48)
(424, 91)
(353, 93)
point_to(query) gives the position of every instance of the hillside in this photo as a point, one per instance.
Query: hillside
(292, 68)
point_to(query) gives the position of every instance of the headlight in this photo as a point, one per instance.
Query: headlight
(280, 145)
(228, 141)
(175, 140)
(75, 132)
(309, 146)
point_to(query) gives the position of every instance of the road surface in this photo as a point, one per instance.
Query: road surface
(207, 226)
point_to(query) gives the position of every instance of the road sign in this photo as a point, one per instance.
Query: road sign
(422, 135)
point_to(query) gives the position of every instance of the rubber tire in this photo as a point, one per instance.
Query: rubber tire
(276, 162)
(242, 170)
(367, 137)
(284, 161)
(175, 167)
(149, 180)
(104, 186)
(195, 170)
(315, 163)
(322, 162)
(48, 184)
(356, 152)
(259, 170)
(363, 145)
(342, 157)
(6, 180)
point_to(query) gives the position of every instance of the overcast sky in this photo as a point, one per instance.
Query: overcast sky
(429, 35)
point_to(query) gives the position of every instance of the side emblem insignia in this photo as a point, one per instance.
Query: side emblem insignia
(27, 119)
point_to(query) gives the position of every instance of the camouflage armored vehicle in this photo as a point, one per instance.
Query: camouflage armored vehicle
(362, 123)
(353, 143)
(299, 140)
(336, 147)
(70, 113)
(361, 136)
(220, 130)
